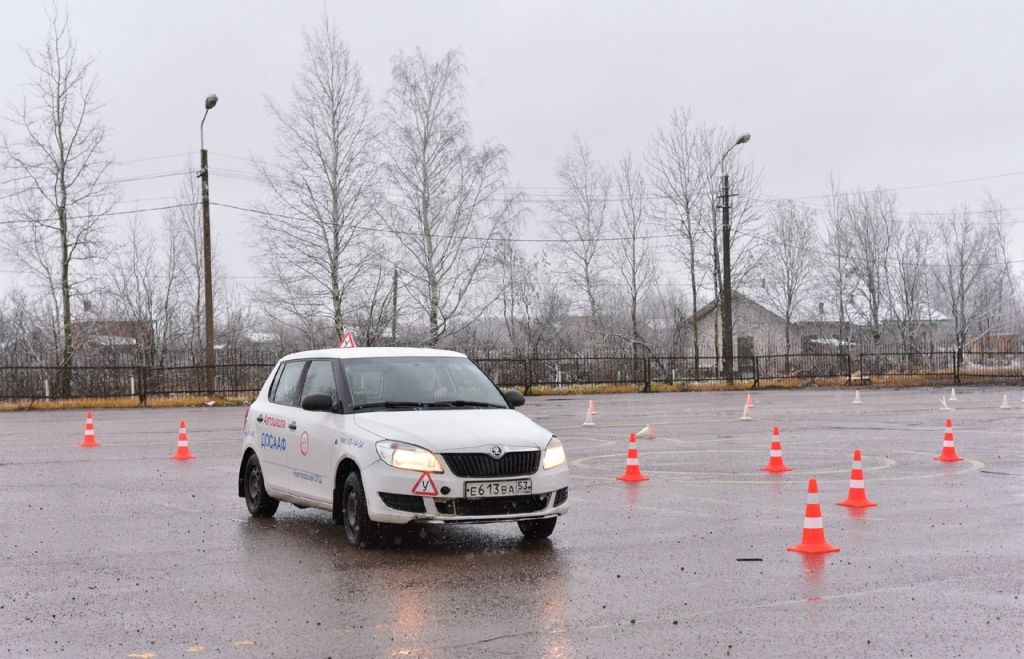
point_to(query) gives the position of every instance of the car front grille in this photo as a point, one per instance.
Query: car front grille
(482, 465)
(492, 506)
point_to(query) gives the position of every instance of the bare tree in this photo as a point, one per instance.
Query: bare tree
(320, 191)
(449, 199)
(633, 254)
(909, 274)
(873, 226)
(836, 269)
(57, 155)
(678, 167)
(791, 242)
(579, 215)
(968, 257)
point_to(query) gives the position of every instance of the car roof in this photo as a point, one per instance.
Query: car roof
(361, 353)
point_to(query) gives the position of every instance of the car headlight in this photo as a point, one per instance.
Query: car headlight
(408, 456)
(554, 454)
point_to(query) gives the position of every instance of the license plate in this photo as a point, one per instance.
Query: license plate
(485, 489)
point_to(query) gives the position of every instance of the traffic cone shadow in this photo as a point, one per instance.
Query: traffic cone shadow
(89, 438)
(632, 473)
(183, 452)
(813, 541)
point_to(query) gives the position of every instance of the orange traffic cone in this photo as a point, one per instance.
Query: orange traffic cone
(750, 400)
(857, 498)
(589, 420)
(592, 410)
(813, 541)
(632, 472)
(948, 450)
(775, 463)
(183, 452)
(89, 439)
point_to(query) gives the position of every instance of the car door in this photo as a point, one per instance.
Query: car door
(312, 461)
(276, 425)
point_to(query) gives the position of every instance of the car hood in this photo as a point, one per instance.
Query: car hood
(443, 430)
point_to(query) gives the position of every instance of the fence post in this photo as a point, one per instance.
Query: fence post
(647, 375)
(142, 386)
(757, 372)
(527, 375)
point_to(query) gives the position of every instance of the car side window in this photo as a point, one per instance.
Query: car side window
(319, 379)
(287, 384)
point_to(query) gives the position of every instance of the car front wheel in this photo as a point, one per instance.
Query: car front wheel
(259, 503)
(359, 529)
(538, 528)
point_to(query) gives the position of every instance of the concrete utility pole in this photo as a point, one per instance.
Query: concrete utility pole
(727, 343)
(204, 174)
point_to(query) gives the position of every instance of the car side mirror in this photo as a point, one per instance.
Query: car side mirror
(514, 398)
(318, 403)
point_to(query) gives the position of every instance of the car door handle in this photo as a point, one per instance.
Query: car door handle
(259, 419)
(292, 426)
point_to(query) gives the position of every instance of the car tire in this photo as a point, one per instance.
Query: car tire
(360, 530)
(259, 503)
(535, 529)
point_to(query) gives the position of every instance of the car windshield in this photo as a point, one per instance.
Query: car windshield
(401, 383)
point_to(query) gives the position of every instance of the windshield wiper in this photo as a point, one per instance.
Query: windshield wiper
(464, 403)
(387, 404)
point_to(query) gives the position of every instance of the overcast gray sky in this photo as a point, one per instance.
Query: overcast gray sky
(921, 96)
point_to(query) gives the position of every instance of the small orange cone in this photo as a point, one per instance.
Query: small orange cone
(183, 452)
(746, 413)
(89, 439)
(857, 498)
(775, 463)
(948, 450)
(750, 400)
(592, 410)
(813, 541)
(589, 420)
(632, 472)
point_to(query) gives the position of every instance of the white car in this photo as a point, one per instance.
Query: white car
(385, 436)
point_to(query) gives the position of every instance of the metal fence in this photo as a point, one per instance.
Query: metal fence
(241, 375)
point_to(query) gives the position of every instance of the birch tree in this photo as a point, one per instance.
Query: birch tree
(448, 199)
(968, 257)
(835, 268)
(578, 220)
(320, 192)
(873, 227)
(787, 271)
(56, 153)
(908, 292)
(633, 253)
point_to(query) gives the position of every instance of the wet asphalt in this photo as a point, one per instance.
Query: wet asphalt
(119, 551)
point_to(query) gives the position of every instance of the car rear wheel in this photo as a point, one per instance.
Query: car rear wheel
(538, 528)
(259, 503)
(359, 529)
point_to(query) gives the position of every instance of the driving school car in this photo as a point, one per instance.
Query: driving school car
(382, 436)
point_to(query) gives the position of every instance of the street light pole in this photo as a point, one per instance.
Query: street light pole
(727, 353)
(204, 174)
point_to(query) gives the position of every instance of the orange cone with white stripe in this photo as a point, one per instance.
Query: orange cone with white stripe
(89, 439)
(750, 400)
(857, 498)
(591, 409)
(948, 449)
(183, 452)
(813, 541)
(632, 472)
(775, 463)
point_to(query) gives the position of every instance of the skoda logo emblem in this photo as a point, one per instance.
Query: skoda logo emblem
(496, 451)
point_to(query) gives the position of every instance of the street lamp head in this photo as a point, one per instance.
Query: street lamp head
(744, 138)
(211, 101)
